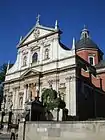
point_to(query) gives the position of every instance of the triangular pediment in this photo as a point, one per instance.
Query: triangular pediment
(36, 33)
(29, 73)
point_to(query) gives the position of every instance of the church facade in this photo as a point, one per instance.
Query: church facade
(42, 60)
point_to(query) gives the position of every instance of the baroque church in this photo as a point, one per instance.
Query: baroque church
(77, 73)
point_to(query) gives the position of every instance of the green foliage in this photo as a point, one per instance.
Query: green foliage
(50, 99)
(3, 69)
(2, 72)
(60, 103)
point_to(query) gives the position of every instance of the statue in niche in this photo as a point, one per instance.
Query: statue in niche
(37, 95)
(34, 90)
(30, 96)
(10, 105)
(50, 82)
(3, 103)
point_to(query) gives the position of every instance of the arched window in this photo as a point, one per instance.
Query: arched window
(91, 60)
(46, 53)
(21, 101)
(35, 57)
(25, 60)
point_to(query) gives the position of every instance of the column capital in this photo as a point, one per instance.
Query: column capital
(70, 78)
(6, 90)
(26, 86)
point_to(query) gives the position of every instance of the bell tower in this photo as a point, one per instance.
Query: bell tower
(87, 49)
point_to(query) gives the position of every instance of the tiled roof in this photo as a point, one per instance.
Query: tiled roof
(86, 43)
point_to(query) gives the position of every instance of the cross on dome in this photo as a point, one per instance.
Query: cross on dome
(38, 19)
(85, 26)
(84, 33)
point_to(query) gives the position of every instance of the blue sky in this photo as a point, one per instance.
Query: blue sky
(17, 17)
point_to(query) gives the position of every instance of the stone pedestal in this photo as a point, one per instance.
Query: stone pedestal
(0, 116)
(6, 117)
(54, 114)
(34, 111)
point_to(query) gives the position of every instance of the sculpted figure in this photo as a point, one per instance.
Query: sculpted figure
(10, 105)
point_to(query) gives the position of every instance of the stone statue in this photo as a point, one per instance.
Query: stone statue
(10, 105)
(3, 106)
(38, 19)
(30, 96)
(3, 103)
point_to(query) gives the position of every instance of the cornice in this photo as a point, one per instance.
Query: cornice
(81, 49)
(39, 65)
(56, 70)
(36, 40)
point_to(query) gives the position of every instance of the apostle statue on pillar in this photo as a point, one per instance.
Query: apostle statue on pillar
(3, 103)
(10, 105)
(30, 96)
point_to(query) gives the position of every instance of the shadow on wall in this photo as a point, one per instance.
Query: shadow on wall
(90, 102)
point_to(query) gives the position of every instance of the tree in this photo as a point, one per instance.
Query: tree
(51, 100)
(3, 69)
(48, 98)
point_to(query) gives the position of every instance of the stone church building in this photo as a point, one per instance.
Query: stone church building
(77, 73)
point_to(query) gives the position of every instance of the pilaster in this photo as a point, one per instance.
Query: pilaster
(29, 58)
(25, 95)
(67, 97)
(19, 57)
(71, 95)
(17, 97)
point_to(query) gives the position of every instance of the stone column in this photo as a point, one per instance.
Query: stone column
(33, 86)
(67, 97)
(13, 100)
(29, 93)
(17, 98)
(41, 53)
(25, 95)
(6, 99)
(56, 82)
(37, 89)
(73, 96)
(29, 56)
(21, 130)
(19, 59)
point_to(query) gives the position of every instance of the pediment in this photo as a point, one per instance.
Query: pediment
(36, 33)
(30, 73)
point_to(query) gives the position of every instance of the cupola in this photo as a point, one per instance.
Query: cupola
(87, 48)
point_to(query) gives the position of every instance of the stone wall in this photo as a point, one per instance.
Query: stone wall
(87, 130)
